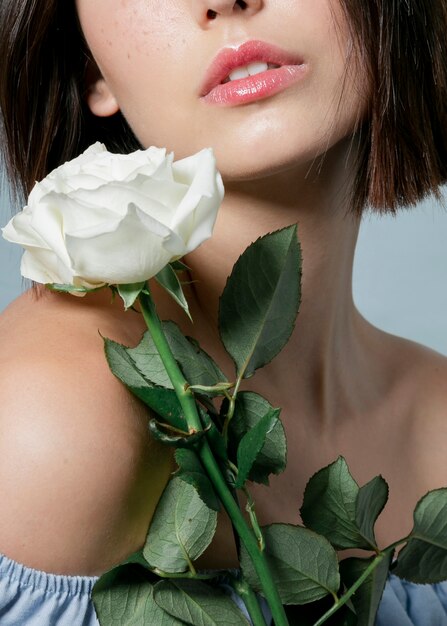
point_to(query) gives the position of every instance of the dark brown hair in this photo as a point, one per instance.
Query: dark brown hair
(401, 44)
(45, 120)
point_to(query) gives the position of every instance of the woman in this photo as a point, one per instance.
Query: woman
(357, 117)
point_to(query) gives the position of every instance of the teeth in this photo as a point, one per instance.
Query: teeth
(249, 70)
(257, 68)
(239, 72)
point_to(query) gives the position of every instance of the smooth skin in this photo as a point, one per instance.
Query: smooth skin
(79, 473)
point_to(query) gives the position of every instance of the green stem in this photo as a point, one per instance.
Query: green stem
(189, 407)
(178, 381)
(251, 601)
(191, 567)
(250, 508)
(231, 407)
(341, 601)
(247, 537)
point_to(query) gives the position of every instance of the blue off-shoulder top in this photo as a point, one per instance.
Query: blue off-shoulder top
(32, 598)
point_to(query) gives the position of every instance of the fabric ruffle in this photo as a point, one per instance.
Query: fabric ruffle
(29, 597)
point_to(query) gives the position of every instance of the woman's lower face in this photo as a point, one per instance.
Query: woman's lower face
(266, 86)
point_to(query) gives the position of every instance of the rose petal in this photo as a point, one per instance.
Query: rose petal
(196, 215)
(19, 230)
(43, 266)
(133, 252)
(47, 223)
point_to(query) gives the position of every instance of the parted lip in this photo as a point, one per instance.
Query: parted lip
(251, 51)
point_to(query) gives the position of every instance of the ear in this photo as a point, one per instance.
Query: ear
(99, 96)
(101, 100)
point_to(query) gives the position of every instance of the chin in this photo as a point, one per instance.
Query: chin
(254, 164)
(294, 147)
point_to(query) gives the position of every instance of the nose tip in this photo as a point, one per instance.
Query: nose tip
(225, 8)
(208, 10)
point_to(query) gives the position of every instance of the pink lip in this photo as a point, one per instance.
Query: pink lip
(256, 87)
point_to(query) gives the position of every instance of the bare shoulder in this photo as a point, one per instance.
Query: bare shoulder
(425, 384)
(77, 467)
(427, 380)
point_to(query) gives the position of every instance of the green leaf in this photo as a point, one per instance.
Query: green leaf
(148, 361)
(370, 502)
(124, 597)
(198, 604)
(181, 529)
(424, 557)
(163, 401)
(129, 293)
(329, 506)
(260, 301)
(197, 366)
(367, 598)
(192, 472)
(249, 409)
(179, 266)
(304, 565)
(169, 280)
(251, 445)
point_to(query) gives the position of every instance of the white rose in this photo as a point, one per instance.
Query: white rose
(116, 219)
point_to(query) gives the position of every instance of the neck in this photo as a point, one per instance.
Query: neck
(323, 360)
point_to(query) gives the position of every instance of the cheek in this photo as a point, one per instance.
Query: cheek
(128, 41)
(343, 84)
(137, 49)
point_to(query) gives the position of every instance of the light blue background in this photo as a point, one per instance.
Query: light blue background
(400, 272)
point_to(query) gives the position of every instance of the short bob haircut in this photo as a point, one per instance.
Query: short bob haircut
(400, 44)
